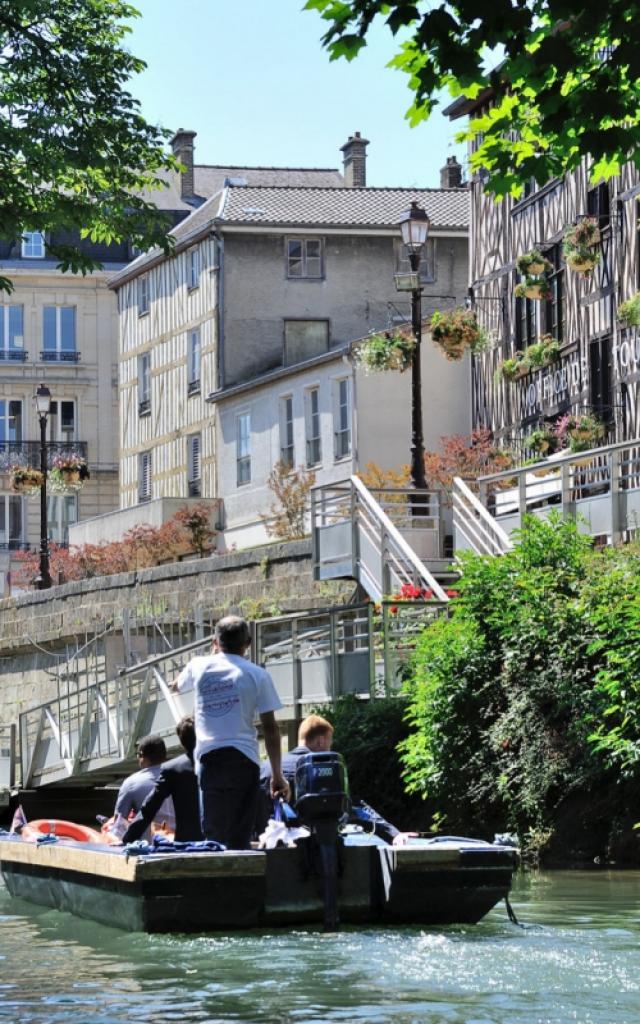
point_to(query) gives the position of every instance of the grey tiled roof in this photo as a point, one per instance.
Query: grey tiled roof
(344, 207)
(209, 179)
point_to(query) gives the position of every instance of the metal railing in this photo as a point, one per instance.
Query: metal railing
(13, 355)
(8, 756)
(27, 453)
(600, 488)
(472, 522)
(380, 537)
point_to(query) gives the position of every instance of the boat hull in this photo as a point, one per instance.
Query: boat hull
(244, 890)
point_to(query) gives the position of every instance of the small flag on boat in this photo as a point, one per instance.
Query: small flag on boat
(19, 820)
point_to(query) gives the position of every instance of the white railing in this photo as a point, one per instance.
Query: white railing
(8, 756)
(472, 521)
(374, 539)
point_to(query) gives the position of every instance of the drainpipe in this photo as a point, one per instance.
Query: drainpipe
(220, 347)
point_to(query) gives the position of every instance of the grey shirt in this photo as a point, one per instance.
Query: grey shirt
(134, 791)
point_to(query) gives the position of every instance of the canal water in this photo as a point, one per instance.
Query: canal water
(577, 959)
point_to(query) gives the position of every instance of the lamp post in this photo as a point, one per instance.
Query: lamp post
(414, 225)
(42, 399)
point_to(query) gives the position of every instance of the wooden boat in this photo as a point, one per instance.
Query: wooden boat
(431, 882)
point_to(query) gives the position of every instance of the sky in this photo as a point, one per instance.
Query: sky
(252, 79)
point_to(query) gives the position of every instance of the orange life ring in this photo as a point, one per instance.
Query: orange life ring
(57, 827)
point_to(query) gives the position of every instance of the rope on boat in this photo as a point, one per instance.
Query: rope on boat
(511, 913)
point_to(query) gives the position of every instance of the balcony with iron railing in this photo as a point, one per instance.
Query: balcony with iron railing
(27, 453)
(13, 355)
(55, 356)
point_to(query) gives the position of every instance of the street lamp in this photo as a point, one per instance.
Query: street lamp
(42, 399)
(414, 225)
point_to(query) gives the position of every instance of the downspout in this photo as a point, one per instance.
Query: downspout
(220, 324)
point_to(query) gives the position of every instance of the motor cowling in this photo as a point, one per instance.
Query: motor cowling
(321, 787)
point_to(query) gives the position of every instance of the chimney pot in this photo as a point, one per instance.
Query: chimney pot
(355, 161)
(451, 174)
(182, 147)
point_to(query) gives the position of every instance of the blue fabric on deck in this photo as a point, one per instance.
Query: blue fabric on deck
(162, 845)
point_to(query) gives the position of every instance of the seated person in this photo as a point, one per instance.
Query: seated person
(134, 790)
(177, 780)
(315, 735)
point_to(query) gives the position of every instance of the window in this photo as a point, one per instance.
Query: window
(341, 419)
(554, 307)
(193, 362)
(194, 268)
(144, 384)
(304, 258)
(12, 333)
(10, 419)
(526, 322)
(243, 448)
(143, 295)
(144, 477)
(10, 521)
(61, 421)
(599, 205)
(427, 259)
(304, 339)
(33, 245)
(601, 380)
(194, 482)
(59, 334)
(61, 513)
(286, 431)
(312, 426)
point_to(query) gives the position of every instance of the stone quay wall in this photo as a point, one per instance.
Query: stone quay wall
(38, 629)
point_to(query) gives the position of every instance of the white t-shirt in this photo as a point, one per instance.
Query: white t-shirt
(229, 694)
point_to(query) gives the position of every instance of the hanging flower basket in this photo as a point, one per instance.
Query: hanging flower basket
(533, 288)
(543, 440)
(513, 368)
(579, 432)
(532, 264)
(25, 480)
(629, 311)
(579, 245)
(543, 352)
(456, 331)
(68, 474)
(390, 350)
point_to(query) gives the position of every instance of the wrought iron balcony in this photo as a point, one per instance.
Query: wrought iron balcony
(27, 453)
(53, 356)
(11, 355)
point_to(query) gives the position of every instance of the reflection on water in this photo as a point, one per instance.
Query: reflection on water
(576, 960)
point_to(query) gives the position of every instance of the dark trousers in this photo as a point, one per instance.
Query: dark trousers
(229, 787)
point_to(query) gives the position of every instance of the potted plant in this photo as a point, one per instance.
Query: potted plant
(579, 245)
(542, 440)
(533, 287)
(389, 350)
(533, 263)
(629, 311)
(68, 473)
(579, 431)
(514, 368)
(455, 331)
(543, 352)
(25, 479)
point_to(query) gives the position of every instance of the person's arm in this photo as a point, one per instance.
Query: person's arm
(150, 807)
(271, 730)
(362, 813)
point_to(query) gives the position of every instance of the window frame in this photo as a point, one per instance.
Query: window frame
(144, 384)
(304, 320)
(428, 271)
(7, 542)
(6, 417)
(286, 427)
(243, 448)
(5, 327)
(341, 419)
(193, 350)
(58, 525)
(27, 242)
(58, 354)
(313, 426)
(304, 258)
(194, 268)
(145, 466)
(55, 432)
(194, 465)
(143, 294)
(554, 308)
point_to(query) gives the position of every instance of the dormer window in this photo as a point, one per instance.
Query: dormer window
(33, 245)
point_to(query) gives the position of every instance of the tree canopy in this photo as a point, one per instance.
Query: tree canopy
(75, 152)
(567, 84)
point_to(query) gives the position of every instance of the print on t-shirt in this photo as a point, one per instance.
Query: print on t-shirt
(217, 695)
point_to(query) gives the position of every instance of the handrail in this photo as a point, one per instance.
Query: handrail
(503, 542)
(367, 499)
(591, 453)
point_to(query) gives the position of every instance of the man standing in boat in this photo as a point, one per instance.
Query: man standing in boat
(230, 692)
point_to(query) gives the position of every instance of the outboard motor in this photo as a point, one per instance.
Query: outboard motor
(322, 797)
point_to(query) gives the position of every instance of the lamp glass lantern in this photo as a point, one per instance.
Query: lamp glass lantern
(42, 399)
(414, 225)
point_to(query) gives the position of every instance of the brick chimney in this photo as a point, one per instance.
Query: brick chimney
(182, 146)
(451, 174)
(355, 161)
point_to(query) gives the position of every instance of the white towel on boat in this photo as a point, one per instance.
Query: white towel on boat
(277, 833)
